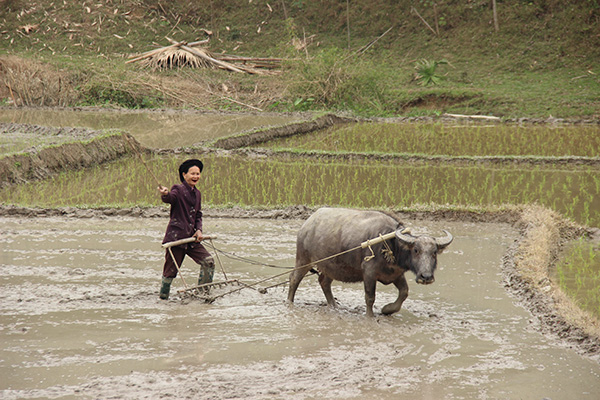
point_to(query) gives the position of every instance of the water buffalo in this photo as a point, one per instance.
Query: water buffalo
(331, 231)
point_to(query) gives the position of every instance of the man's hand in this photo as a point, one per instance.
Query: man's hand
(163, 190)
(198, 236)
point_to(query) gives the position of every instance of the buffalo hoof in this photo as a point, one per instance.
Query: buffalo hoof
(389, 309)
(425, 281)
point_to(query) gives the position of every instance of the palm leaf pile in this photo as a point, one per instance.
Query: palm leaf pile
(192, 55)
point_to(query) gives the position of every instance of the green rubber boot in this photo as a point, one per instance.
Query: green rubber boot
(165, 288)
(207, 270)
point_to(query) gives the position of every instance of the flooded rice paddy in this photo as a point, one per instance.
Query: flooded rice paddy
(256, 182)
(578, 273)
(151, 129)
(452, 139)
(80, 318)
(80, 315)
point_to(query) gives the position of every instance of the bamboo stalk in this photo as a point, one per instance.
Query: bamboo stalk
(177, 266)
(233, 100)
(495, 12)
(235, 58)
(372, 42)
(423, 20)
(161, 49)
(379, 239)
(472, 116)
(142, 160)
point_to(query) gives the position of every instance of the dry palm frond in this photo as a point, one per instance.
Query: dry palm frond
(180, 54)
(174, 57)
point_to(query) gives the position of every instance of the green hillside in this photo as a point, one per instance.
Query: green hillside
(360, 57)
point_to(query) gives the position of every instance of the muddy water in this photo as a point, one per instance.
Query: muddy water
(154, 130)
(80, 318)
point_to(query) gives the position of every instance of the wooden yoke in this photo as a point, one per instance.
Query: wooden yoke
(379, 239)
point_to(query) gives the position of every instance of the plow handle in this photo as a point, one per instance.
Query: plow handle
(186, 240)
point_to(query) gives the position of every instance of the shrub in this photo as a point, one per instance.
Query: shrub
(334, 78)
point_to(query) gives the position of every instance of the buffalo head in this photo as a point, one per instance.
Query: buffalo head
(419, 254)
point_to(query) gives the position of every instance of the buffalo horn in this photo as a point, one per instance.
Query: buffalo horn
(444, 241)
(407, 239)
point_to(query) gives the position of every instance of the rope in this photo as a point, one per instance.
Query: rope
(219, 259)
(284, 273)
(243, 259)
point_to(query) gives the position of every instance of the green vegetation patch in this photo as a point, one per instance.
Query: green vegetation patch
(451, 140)
(359, 57)
(578, 274)
(271, 182)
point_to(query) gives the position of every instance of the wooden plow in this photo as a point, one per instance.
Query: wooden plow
(205, 291)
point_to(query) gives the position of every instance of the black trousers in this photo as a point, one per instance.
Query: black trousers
(197, 253)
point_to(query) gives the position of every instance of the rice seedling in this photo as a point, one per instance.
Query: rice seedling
(271, 182)
(457, 140)
(578, 274)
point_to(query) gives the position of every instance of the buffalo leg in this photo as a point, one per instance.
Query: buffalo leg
(370, 286)
(402, 286)
(295, 279)
(325, 283)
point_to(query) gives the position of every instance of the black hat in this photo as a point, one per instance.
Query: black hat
(186, 165)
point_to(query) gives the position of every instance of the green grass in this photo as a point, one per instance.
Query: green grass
(542, 62)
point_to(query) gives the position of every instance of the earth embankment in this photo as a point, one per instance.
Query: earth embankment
(75, 148)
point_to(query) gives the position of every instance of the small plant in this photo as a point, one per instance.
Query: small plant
(426, 72)
(303, 104)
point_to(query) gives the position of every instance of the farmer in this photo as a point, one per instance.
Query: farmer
(185, 221)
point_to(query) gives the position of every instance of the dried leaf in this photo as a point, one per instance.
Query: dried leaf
(29, 28)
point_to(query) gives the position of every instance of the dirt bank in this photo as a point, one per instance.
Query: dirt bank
(508, 215)
(527, 266)
(71, 148)
(261, 136)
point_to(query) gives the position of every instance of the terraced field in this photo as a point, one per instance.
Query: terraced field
(544, 196)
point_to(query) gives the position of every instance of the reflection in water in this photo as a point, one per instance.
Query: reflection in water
(154, 130)
(81, 317)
